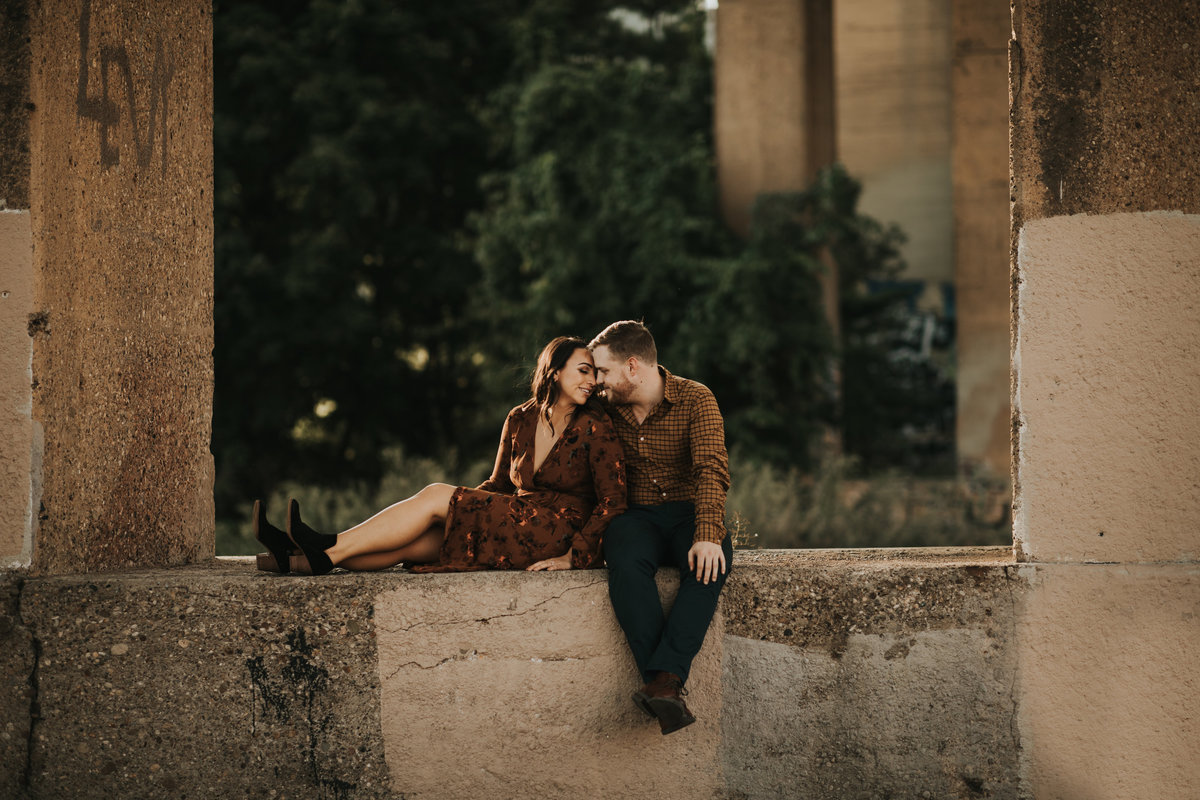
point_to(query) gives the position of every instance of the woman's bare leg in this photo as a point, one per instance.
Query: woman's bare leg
(422, 551)
(395, 527)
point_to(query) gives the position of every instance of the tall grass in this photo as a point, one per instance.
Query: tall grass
(835, 507)
(767, 506)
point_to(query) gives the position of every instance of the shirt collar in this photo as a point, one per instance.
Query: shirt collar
(670, 397)
(670, 386)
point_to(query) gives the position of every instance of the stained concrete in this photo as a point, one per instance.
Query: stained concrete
(120, 183)
(524, 690)
(17, 687)
(1105, 107)
(217, 680)
(1106, 242)
(206, 681)
(864, 674)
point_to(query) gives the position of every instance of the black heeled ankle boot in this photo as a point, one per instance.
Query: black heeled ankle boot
(275, 540)
(313, 544)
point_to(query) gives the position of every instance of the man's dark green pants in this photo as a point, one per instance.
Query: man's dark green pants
(636, 544)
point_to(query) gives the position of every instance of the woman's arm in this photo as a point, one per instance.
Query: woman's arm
(607, 461)
(501, 480)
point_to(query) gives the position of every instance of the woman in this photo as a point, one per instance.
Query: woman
(559, 480)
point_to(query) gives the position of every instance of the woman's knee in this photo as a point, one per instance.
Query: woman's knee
(437, 497)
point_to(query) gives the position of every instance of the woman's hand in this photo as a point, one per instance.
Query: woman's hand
(562, 562)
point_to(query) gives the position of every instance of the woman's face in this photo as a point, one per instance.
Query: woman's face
(577, 379)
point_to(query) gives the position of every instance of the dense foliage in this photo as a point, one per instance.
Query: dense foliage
(411, 199)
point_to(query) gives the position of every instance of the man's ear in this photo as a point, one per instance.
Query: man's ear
(633, 365)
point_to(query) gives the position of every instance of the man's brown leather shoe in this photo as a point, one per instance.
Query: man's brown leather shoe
(663, 698)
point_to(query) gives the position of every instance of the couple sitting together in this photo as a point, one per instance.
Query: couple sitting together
(631, 487)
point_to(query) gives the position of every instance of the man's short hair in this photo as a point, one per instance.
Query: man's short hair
(627, 338)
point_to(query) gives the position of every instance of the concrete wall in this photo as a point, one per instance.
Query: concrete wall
(1106, 256)
(108, 266)
(827, 674)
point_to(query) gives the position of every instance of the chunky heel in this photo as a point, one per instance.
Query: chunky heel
(266, 562)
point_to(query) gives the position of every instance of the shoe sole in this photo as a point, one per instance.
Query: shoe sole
(672, 714)
(642, 701)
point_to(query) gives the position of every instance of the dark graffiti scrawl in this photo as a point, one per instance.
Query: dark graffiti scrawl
(106, 109)
(297, 696)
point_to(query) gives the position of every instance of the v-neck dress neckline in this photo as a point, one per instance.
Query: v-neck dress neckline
(550, 452)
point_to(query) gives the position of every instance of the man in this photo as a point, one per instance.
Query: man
(678, 474)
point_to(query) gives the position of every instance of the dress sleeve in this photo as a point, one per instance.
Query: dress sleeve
(710, 467)
(606, 459)
(501, 481)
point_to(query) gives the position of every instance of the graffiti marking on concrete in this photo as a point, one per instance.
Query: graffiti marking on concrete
(104, 109)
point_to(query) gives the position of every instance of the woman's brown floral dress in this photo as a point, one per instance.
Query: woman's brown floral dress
(518, 516)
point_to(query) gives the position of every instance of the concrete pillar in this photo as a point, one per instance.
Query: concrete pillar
(106, 252)
(775, 112)
(979, 78)
(763, 109)
(893, 106)
(1106, 256)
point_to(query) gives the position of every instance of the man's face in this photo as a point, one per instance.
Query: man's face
(612, 377)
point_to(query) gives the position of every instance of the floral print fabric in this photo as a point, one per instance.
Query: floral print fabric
(519, 516)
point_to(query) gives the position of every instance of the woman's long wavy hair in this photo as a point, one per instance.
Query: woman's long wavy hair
(545, 384)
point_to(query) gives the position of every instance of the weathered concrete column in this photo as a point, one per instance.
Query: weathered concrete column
(760, 104)
(774, 119)
(894, 110)
(1106, 241)
(107, 271)
(981, 276)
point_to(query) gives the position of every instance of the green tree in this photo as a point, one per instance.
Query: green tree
(348, 149)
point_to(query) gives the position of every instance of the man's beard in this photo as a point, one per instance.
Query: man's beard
(618, 394)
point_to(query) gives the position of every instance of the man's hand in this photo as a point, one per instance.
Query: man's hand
(705, 558)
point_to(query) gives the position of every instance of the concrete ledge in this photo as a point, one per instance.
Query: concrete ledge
(826, 674)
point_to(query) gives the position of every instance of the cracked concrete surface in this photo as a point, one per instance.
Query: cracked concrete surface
(897, 676)
(517, 685)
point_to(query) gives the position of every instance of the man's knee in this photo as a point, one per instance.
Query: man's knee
(628, 545)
